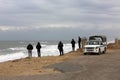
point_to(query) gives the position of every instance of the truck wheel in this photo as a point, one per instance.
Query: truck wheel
(85, 53)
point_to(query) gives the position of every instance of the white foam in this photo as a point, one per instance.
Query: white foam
(110, 42)
(17, 48)
(12, 56)
(45, 42)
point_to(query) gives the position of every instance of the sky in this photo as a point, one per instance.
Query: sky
(58, 19)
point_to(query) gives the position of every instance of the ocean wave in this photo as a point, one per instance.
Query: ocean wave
(46, 50)
(12, 56)
(17, 48)
(44, 42)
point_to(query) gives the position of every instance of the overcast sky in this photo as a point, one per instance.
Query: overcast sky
(58, 19)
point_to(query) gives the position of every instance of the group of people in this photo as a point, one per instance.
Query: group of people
(30, 48)
(60, 47)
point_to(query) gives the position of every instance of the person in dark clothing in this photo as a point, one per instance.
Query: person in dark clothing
(29, 48)
(38, 47)
(60, 47)
(73, 44)
(79, 42)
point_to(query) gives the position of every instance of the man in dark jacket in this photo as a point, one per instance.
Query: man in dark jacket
(73, 44)
(38, 47)
(79, 42)
(29, 48)
(60, 47)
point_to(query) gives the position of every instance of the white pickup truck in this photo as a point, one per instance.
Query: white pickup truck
(96, 44)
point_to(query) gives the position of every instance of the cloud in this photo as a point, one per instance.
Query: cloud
(45, 12)
(99, 15)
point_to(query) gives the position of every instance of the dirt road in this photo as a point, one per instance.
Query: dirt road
(83, 67)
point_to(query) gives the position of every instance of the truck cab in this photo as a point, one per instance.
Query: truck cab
(96, 44)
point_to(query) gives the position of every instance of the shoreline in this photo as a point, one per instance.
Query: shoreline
(34, 65)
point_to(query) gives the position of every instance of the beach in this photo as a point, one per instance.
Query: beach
(71, 66)
(33, 66)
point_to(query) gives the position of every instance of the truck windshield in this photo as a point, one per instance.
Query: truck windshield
(93, 43)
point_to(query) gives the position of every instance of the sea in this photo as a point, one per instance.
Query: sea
(12, 50)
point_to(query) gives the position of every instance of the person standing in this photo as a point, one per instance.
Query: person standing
(29, 48)
(73, 44)
(79, 42)
(38, 47)
(60, 48)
